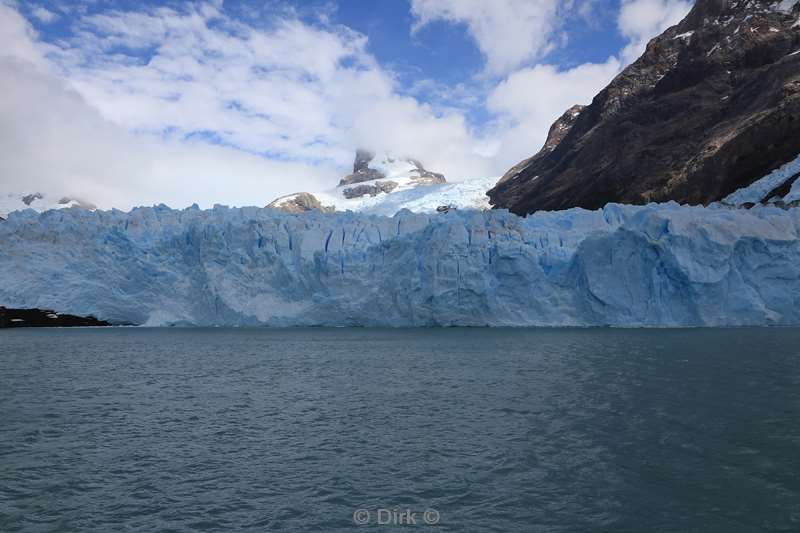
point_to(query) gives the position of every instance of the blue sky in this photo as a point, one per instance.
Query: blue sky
(221, 100)
(440, 50)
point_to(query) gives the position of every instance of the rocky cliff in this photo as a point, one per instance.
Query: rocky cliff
(712, 106)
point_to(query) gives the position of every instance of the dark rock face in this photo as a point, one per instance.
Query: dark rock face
(361, 170)
(37, 318)
(558, 131)
(781, 190)
(80, 204)
(28, 199)
(711, 106)
(373, 190)
(424, 176)
(299, 203)
(409, 172)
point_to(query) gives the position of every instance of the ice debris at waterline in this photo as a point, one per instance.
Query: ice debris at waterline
(655, 265)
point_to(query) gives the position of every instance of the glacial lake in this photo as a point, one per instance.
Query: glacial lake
(507, 430)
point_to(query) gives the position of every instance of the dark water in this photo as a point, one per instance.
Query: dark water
(496, 430)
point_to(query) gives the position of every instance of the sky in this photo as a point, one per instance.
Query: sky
(236, 102)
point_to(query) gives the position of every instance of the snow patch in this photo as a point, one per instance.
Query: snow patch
(10, 202)
(467, 194)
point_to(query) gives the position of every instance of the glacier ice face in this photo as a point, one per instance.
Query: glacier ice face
(655, 265)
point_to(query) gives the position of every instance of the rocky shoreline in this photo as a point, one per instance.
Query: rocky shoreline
(43, 318)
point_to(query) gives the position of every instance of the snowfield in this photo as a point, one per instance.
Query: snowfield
(655, 265)
(10, 202)
(467, 194)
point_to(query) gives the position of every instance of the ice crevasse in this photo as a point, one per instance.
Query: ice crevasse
(654, 265)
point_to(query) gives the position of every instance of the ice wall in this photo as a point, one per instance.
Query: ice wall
(656, 265)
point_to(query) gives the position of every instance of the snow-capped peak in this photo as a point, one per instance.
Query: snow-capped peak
(10, 202)
(387, 183)
(387, 166)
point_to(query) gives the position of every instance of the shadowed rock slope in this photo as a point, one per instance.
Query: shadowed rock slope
(711, 106)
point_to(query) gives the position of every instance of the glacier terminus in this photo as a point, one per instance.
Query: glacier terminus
(653, 265)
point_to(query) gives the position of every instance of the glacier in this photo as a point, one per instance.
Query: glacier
(465, 194)
(653, 265)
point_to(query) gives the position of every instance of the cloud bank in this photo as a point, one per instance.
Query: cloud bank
(189, 104)
(508, 32)
(641, 20)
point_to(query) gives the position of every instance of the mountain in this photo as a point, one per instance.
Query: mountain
(654, 265)
(385, 185)
(299, 202)
(40, 202)
(388, 171)
(711, 106)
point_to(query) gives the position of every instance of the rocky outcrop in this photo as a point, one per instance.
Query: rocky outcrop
(421, 176)
(299, 203)
(361, 170)
(365, 170)
(39, 318)
(712, 106)
(28, 199)
(558, 131)
(371, 176)
(373, 189)
(10, 202)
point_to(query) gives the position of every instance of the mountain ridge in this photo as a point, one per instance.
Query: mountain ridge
(384, 184)
(711, 106)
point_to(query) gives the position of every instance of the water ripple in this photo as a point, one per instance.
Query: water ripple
(498, 430)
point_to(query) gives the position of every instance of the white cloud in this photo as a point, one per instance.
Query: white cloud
(514, 33)
(530, 100)
(641, 20)
(261, 91)
(44, 15)
(17, 37)
(194, 119)
(51, 140)
(187, 104)
(300, 92)
(508, 32)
